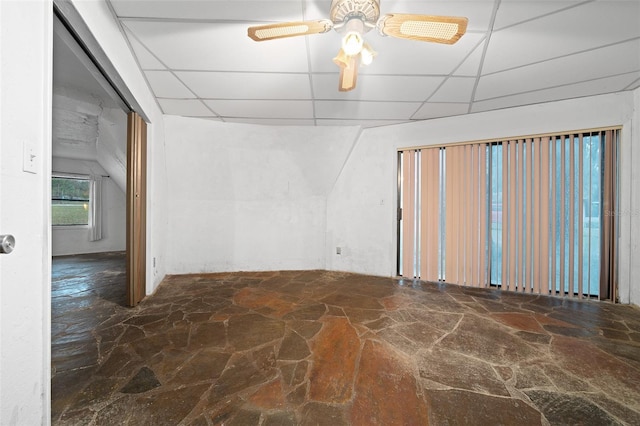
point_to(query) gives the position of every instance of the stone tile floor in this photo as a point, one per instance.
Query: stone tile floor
(328, 348)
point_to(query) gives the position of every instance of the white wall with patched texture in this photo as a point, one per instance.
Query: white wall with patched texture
(248, 197)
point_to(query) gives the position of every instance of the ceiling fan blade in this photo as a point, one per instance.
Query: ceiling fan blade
(348, 75)
(438, 29)
(289, 29)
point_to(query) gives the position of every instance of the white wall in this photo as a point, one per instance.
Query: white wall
(75, 239)
(105, 29)
(244, 197)
(362, 206)
(25, 274)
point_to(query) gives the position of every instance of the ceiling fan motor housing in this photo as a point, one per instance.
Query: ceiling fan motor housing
(343, 11)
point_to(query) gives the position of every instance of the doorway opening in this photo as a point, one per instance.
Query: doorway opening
(98, 202)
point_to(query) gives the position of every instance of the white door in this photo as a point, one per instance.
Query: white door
(25, 274)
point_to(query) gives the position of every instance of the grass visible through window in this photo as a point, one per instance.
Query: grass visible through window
(69, 201)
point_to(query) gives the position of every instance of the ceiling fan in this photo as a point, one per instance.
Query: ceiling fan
(353, 18)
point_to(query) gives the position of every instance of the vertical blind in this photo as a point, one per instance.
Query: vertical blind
(534, 214)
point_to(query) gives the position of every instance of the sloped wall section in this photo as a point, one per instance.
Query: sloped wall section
(87, 139)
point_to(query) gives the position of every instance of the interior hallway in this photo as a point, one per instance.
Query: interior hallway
(317, 347)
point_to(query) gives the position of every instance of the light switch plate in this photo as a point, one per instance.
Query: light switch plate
(30, 158)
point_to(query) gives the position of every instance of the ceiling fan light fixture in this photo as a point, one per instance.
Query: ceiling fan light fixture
(352, 43)
(353, 19)
(342, 59)
(348, 75)
(367, 54)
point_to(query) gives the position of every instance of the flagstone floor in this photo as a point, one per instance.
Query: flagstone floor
(328, 348)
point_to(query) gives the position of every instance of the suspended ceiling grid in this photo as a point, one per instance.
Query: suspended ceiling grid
(199, 62)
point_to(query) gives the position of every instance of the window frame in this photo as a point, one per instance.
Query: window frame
(80, 177)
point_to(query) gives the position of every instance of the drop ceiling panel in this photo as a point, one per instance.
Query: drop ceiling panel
(536, 51)
(272, 121)
(361, 123)
(589, 88)
(633, 85)
(262, 109)
(226, 85)
(316, 9)
(165, 85)
(512, 12)
(185, 107)
(454, 89)
(409, 57)
(146, 60)
(365, 110)
(566, 70)
(471, 63)
(577, 29)
(218, 47)
(377, 88)
(210, 10)
(443, 109)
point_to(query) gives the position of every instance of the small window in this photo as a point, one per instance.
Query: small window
(69, 201)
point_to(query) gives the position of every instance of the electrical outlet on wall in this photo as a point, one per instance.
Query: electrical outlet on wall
(338, 250)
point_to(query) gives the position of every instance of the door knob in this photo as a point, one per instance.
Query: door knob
(7, 243)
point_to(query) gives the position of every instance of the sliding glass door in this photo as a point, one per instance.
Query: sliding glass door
(534, 215)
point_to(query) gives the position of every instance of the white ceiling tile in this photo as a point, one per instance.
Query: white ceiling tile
(314, 9)
(581, 67)
(219, 47)
(633, 85)
(184, 107)
(471, 64)
(145, 59)
(272, 121)
(514, 11)
(365, 110)
(225, 85)
(165, 85)
(589, 88)
(376, 88)
(362, 123)
(443, 109)
(211, 10)
(455, 89)
(262, 108)
(574, 30)
(218, 119)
